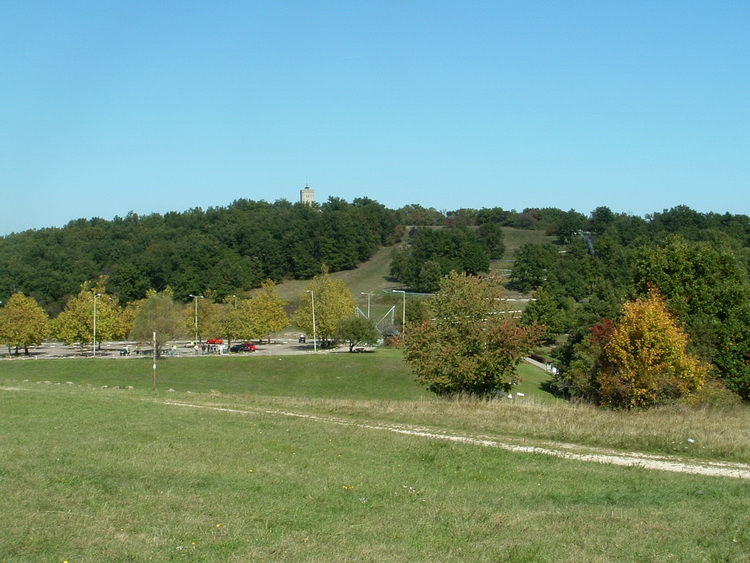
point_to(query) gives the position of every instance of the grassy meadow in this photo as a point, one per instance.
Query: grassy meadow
(212, 467)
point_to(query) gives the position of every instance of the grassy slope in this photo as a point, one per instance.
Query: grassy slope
(373, 274)
(91, 474)
(369, 276)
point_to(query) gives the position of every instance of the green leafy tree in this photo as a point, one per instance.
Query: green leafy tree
(204, 311)
(23, 323)
(552, 310)
(159, 314)
(532, 264)
(492, 238)
(469, 346)
(645, 361)
(600, 220)
(76, 322)
(357, 330)
(333, 302)
(237, 321)
(564, 225)
(432, 253)
(257, 317)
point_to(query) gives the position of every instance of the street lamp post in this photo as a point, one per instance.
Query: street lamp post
(368, 293)
(235, 302)
(403, 309)
(315, 330)
(195, 301)
(95, 296)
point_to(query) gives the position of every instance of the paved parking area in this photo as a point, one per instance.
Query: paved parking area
(282, 344)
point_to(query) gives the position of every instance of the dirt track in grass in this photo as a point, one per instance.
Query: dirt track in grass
(556, 449)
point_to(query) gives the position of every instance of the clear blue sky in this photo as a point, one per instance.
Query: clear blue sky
(150, 106)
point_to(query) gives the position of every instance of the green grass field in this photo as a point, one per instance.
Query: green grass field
(230, 466)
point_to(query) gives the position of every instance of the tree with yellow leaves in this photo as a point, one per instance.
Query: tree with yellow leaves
(23, 323)
(268, 309)
(645, 360)
(76, 322)
(333, 303)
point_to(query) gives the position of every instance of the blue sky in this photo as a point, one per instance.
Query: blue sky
(109, 107)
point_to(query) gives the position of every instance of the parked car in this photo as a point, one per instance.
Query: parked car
(215, 341)
(244, 347)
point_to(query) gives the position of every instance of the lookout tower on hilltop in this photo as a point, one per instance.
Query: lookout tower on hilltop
(307, 196)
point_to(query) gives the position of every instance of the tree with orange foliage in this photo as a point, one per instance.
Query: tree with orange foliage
(645, 360)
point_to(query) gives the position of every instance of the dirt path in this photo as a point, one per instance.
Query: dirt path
(565, 451)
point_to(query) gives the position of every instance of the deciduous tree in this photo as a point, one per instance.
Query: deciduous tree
(76, 322)
(357, 330)
(256, 317)
(23, 323)
(469, 345)
(269, 310)
(158, 314)
(708, 290)
(333, 302)
(645, 359)
(532, 264)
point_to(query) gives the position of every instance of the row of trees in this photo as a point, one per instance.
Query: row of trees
(95, 314)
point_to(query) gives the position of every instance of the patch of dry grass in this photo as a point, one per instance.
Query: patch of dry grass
(701, 433)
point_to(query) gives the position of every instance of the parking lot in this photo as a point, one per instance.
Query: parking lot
(281, 344)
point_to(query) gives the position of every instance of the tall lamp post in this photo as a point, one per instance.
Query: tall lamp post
(95, 297)
(368, 293)
(315, 330)
(195, 301)
(403, 309)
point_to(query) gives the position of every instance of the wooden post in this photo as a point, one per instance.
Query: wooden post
(153, 375)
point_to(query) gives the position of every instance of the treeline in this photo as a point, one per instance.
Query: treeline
(431, 254)
(695, 265)
(228, 250)
(221, 250)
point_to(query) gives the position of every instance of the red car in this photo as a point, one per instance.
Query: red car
(244, 347)
(215, 341)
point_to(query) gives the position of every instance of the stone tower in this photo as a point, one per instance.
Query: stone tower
(306, 195)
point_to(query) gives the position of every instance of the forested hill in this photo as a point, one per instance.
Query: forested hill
(223, 250)
(227, 250)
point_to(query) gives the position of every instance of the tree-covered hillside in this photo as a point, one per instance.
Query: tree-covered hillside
(695, 266)
(221, 250)
(699, 264)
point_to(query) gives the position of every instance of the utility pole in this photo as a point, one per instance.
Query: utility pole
(195, 300)
(315, 330)
(95, 297)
